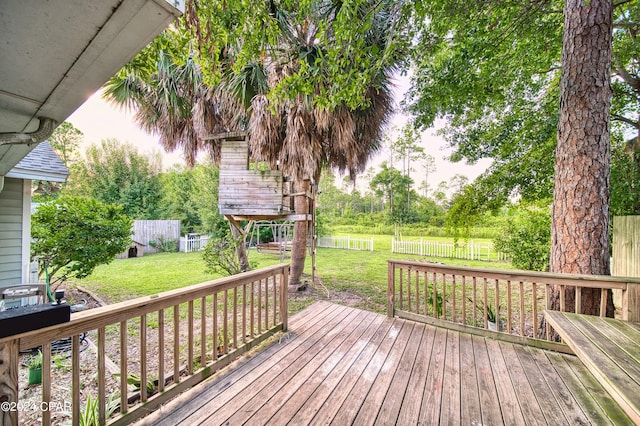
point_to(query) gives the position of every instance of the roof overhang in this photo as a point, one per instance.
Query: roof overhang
(40, 164)
(55, 54)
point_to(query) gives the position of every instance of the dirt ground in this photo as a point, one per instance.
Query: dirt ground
(30, 406)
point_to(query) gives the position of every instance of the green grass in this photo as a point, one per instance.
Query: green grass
(359, 276)
(125, 279)
(364, 274)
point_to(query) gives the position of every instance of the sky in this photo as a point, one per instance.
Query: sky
(99, 120)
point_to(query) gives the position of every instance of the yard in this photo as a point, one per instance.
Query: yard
(356, 278)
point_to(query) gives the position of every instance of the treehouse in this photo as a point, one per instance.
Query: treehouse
(246, 194)
(252, 195)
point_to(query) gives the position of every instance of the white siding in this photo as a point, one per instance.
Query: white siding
(11, 232)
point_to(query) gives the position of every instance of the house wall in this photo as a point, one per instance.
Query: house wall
(12, 235)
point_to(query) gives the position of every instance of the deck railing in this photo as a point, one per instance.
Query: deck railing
(470, 298)
(147, 350)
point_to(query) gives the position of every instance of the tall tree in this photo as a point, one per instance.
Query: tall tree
(327, 84)
(393, 186)
(492, 70)
(407, 149)
(65, 140)
(166, 86)
(429, 166)
(580, 225)
(179, 195)
(116, 173)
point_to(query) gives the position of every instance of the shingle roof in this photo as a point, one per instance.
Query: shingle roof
(42, 164)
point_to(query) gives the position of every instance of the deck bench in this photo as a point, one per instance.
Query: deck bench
(610, 349)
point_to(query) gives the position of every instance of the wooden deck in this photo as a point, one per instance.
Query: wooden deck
(610, 349)
(341, 365)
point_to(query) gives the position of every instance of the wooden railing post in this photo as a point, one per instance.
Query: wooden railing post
(391, 289)
(284, 298)
(631, 303)
(9, 382)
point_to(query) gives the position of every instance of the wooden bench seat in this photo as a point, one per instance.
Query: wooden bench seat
(610, 349)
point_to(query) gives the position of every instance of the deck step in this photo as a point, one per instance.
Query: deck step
(610, 349)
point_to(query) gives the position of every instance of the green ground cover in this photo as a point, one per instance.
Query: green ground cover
(357, 278)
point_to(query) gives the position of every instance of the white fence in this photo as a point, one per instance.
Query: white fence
(193, 242)
(346, 243)
(470, 251)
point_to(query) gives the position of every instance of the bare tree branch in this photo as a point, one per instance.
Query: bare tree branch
(626, 120)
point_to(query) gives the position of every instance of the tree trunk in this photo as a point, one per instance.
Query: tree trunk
(580, 229)
(300, 235)
(239, 239)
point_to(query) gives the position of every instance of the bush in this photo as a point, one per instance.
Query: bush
(163, 245)
(72, 235)
(526, 240)
(220, 256)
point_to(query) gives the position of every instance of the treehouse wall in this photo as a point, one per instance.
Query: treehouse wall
(245, 192)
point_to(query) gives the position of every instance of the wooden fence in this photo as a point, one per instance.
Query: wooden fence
(166, 342)
(346, 243)
(626, 246)
(470, 251)
(469, 299)
(145, 231)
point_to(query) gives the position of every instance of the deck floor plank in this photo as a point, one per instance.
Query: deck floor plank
(410, 409)
(509, 404)
(313, 372)
(527, 400)
(340, 365)
(469, 393)
(489, 404)
(391, 348)
(450, 409)
(576, 387)
(315, 315)
(397, 389)
(317, 394)
(432, 397)
(247, 374)
(251, 396)
(548, 404)
(568, 405)
(330, 406)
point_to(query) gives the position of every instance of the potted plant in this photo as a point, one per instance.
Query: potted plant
(492, 320)
(34, 363)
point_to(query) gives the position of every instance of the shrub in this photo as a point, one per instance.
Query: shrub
(220, 256)
(526, 240)
(72, 235)
(163, 245)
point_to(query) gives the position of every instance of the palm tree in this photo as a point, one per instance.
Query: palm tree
(174, 102)
(299, 136)
(294, 134)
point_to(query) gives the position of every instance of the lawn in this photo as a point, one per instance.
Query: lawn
(358, 278)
